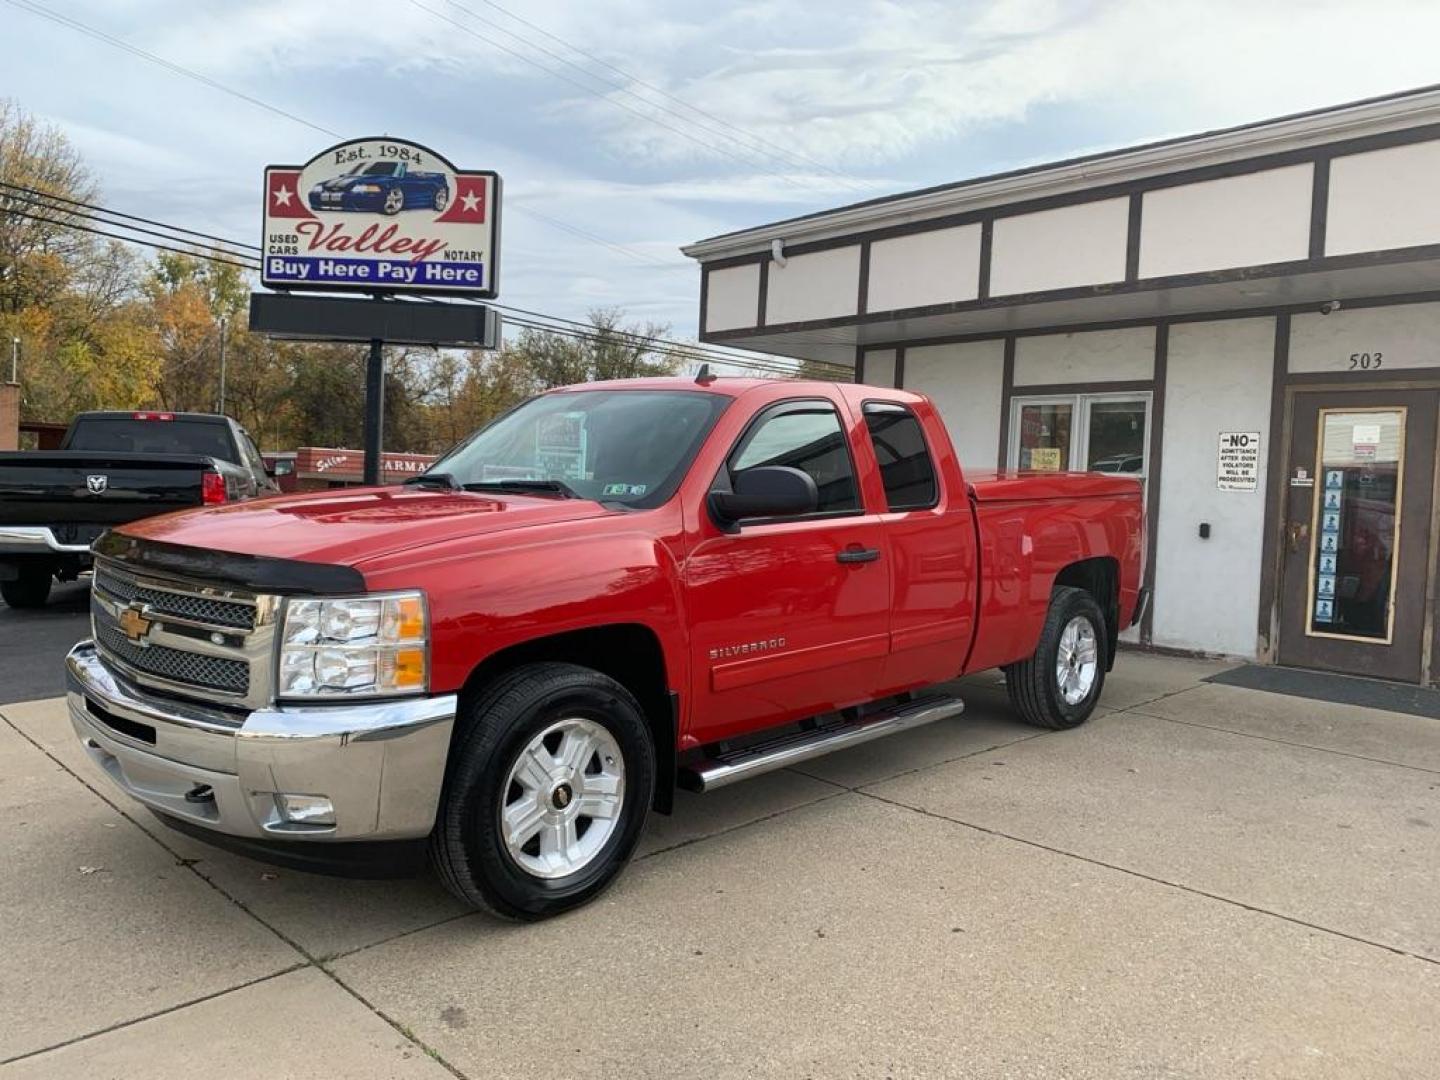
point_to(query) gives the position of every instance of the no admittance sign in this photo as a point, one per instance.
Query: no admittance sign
(1238, 463)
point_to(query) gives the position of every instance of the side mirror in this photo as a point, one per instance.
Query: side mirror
(766, 491)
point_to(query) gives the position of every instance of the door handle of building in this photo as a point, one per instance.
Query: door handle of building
(1296, 532)
(858, 555)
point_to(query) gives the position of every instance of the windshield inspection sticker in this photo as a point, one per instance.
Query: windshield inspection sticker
(626, 489)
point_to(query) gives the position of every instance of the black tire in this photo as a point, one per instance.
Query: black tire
(467, 848)
(442, 199)
(1033, 685)
(385, 205)
(30, 590)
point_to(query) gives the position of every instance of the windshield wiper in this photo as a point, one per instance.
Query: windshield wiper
(434, 479)
(524, 487)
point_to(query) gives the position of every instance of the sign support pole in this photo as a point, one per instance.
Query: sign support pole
(374, 410)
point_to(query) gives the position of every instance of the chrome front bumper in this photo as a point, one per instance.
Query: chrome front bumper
(381, 764)
(36, 540)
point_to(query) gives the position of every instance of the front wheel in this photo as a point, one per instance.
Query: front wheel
(394, 202)
(1059, 686)
(30, 590)
(549, 786)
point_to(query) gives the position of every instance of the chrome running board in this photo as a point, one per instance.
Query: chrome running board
(729, 767)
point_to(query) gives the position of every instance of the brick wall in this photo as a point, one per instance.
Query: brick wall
(9, 416)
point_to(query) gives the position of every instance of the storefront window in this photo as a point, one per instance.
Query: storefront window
(1115, 442)
(1097, 432)
(1356, 522)
(1045, 436)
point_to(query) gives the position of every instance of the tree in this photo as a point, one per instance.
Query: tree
(72, 300)
(37, 252)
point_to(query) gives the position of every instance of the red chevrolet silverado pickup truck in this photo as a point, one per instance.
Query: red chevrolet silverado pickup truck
(611, 591)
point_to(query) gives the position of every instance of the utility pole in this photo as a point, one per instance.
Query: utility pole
(223, 323)
(14, 360)
(374, 411)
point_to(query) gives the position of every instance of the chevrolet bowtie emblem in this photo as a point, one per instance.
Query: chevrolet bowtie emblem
(134, 624)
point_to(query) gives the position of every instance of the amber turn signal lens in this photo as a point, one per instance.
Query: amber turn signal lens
(406, 620)
(409, 669)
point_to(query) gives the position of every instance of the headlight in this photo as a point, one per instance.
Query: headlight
(368, 189)
(370, 646)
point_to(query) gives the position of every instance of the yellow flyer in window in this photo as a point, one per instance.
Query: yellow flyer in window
(1045, 459)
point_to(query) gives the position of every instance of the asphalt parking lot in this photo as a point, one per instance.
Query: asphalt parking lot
(33, 642)
(1205, 881)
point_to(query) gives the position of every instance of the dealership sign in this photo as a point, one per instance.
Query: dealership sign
(381, 216)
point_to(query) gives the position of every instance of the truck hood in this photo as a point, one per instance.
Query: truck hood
(349, 527)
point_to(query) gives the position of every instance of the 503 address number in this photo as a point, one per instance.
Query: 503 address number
(1366, 361)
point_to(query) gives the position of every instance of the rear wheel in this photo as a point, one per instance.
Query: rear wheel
(549, 786)
(1059, 686)
(30, 590)
(442, 198)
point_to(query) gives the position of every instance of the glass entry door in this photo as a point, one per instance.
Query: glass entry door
(1357, 534)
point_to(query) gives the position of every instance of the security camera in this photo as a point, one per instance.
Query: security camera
(1329, 306)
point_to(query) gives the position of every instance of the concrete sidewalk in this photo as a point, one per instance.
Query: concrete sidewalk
(1204, 881)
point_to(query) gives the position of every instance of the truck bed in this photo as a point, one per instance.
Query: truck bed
(52, 488)
(1015, 486)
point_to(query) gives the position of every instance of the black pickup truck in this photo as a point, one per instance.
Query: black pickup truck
(113, 467)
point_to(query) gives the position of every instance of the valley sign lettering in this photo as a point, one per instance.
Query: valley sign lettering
(381, 215)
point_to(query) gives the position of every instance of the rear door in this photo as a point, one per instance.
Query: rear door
(933, 560)
(789, 617)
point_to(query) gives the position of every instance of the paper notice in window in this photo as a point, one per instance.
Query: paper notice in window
(1045, 458)
(1365, 440)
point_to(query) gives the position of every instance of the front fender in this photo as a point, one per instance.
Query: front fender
(482, 603)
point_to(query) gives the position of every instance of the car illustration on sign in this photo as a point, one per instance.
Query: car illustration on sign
(385, 187)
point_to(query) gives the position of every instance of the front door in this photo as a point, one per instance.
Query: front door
(789, 618)
(1357, 531)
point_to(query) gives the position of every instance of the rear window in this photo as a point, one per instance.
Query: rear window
(122, 433)
(905, 463)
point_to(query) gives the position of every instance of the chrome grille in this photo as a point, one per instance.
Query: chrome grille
(173, 665)
(212, 643)
(206, 609)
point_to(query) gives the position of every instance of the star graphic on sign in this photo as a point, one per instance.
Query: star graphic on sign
(470, 201)
(282, 196)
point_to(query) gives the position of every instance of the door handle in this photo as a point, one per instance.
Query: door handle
(1295, 533)
(858, 555)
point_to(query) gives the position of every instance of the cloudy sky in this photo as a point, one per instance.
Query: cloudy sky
(588, 108)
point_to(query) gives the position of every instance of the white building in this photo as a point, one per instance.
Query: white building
(1248, 319)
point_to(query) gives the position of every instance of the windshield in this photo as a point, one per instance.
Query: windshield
(202, 437)
(377, 168)
(626, 446)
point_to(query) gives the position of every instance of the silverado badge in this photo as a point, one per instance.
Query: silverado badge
(135, 625)
(97, 484)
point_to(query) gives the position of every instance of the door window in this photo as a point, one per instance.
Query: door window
(905, 464)
(805, 436)
(1357, 523)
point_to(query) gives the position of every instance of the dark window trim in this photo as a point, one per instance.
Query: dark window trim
(935, 481)
(1216, 315)
(779, 408)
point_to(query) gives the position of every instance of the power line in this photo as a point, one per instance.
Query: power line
(133, 240)
(92, 212)
(660, 346)
(179, 69)
(791, 154)
(784, 156)
(708, 146)
(130, 217)
(54, 209)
